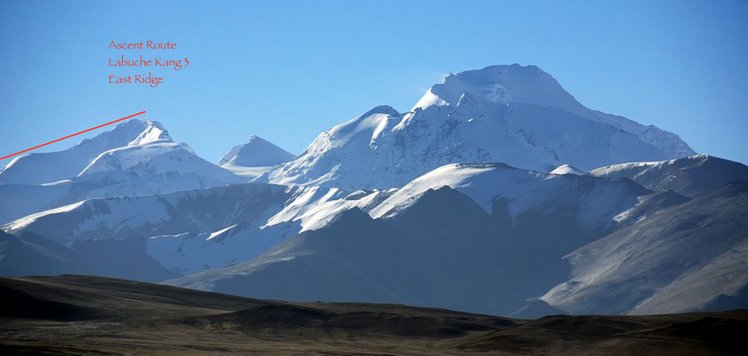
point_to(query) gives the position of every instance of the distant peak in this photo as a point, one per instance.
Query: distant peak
(257, 152)
(568, 169)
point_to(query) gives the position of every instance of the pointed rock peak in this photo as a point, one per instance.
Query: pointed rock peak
(257, 152)
(130, 133)
(568, 169)
(152, 131)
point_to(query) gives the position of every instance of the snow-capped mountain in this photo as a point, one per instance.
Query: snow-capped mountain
(192, 230)
(148, 162)
(491, 239)
(461, 228)
(255, 157)
(257, 152)
(594, 202)
(189, 231)
(446, 239)
(38, 168)
(567, 169)
(510, 114)
(689, 176)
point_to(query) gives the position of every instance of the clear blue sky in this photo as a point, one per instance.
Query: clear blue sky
(286, 70)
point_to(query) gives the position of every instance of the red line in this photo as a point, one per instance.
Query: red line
(71, 135)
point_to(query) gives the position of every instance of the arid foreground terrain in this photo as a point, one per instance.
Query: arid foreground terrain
(84, 314)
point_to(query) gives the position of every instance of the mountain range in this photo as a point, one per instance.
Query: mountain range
(518, 115)
(497, 192)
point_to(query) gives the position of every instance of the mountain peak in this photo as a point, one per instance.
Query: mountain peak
(152, 131)
(38, 168)
(130, 133)
(515, 114)
(257, 152)
(502, 84)
(568, 169)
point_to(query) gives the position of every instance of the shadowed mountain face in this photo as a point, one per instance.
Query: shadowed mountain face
(83, 314)
(439, 248)
(36, 255)
(681, 258)
(443, 250)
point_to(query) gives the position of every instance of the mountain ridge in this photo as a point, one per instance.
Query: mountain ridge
(38, 168)
(136, 157)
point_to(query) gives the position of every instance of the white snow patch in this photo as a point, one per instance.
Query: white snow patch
(220, 232)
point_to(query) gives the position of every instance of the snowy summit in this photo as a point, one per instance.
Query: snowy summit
(255, 153)
(518, 115)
